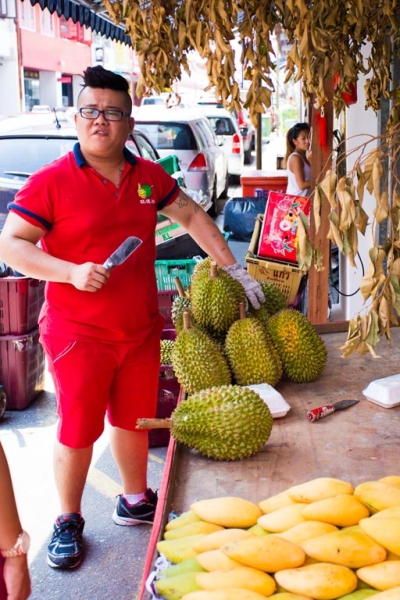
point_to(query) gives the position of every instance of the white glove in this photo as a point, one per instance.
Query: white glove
(252, 288)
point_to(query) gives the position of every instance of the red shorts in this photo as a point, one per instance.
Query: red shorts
(93, 378)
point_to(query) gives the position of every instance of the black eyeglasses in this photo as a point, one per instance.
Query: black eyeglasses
(109, 114)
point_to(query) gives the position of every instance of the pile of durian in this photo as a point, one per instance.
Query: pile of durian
(224, 344)
(319, 540)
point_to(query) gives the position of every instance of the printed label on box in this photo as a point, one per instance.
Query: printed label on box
(278, 238)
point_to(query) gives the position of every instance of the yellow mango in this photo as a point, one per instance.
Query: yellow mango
(393, 594)
(319, 489)
(274, 502)
(385, 532)
(342, 510)
(350, 547)
(227, 511)
(190, 565)
(269, 553)
(173, 588)
(378, 495)
(382, 576)
(177, 551)
(289, 596)
(258, 530)
(391, 480)
(184, 519)
(387, 513)
(192, 529)
(227, 594)
(359, 594)
(282, 518)
(321, 581)
(241, 577)
(306, 530)
(216, 560)
(215, 540)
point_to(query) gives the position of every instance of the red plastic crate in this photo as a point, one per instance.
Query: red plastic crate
(168, 393)
(21, 299)
(22, 368)
(165, 300)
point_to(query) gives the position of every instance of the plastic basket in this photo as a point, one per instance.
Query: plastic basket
(168, 393)
(21, 299)
(285, 277)
(22, 368)
(167, 270)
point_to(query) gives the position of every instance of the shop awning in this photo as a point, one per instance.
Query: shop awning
(88, 13)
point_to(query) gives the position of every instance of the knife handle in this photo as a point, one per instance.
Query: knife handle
(320, 412)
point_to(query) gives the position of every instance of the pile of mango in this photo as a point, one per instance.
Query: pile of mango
(320, 540)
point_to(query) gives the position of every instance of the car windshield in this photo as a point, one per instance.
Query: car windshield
(169, 136)
(222, 125)
(22, 156)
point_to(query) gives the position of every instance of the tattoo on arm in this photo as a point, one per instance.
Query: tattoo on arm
(182, 200)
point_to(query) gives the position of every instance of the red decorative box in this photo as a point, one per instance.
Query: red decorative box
(278, 238)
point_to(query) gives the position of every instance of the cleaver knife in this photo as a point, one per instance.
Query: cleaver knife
(324, 411)
(122, 252)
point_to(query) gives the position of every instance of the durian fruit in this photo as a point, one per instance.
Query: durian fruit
(261, 314)
(301, 349)
(251, 354)
(201, 266)
(215, 297)
(274, 298)
(179, 305)
(223, 423)
(197, 360)
(166, 347)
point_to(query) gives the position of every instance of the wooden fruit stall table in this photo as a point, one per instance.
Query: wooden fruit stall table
(357, 444)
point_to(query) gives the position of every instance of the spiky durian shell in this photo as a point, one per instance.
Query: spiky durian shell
(274, 298)
(179, 304)
(202, 265)
(251, 354)
(224, 423)
(166, 347)
(198, 362)
(262, 314)
(215, 300)
(301, 349)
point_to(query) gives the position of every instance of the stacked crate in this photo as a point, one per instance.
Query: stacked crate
(22, 360)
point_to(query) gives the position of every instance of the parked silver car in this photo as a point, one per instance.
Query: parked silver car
(188, 134)
(27, 149)
(229, 137)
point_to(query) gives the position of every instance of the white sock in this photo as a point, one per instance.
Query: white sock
(134, 498)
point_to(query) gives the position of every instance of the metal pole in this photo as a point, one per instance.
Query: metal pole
(259, 142)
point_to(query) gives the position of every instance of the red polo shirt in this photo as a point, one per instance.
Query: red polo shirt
(85, 218)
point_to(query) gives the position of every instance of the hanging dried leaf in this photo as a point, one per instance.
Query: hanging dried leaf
(381, 212)
(328, 187)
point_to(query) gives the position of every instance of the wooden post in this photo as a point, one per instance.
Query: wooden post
(318, 281)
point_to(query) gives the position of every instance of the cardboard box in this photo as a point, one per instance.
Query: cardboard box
(278, 237)
(285, 276)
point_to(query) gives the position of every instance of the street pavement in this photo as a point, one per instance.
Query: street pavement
(115, 556)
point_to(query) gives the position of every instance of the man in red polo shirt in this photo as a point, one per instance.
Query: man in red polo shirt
(101, 329)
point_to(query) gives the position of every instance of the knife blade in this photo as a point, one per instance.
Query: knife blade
(324, 411)
(122, 252)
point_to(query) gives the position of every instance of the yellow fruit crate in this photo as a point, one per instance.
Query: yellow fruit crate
(285, 276)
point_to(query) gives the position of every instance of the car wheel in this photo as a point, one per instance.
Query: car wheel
(248, 157)
(214, 200)
(224, 194)
(3, 401)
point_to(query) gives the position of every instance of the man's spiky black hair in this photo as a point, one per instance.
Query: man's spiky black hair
(99, 77)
